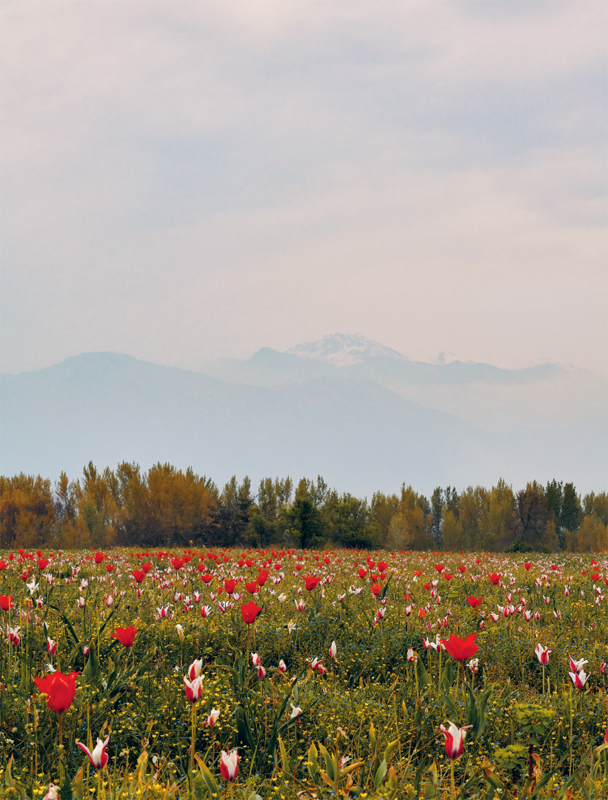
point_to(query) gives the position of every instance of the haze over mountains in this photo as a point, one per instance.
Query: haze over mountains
(361, 414)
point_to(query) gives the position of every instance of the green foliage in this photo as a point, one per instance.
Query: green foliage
(306, 521)
(168, 507)
(533, 720)
(512, 757)
(368, 724)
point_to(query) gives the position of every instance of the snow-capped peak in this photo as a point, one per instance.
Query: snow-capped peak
(342, 349)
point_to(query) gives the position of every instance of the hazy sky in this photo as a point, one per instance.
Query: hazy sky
(191, 180)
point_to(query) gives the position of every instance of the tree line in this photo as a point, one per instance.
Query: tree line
(166, 507)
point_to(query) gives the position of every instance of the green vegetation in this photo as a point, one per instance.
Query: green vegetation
(166, 507)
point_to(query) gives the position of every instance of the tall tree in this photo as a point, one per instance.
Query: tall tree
(437, 503)
(383, 508)
(232, 514)
(571, 509)
(410, 528)
(316, 493)
(348, 521)
(532, 515)
(27, 512)
(500, 529)
(306, 522)
(452, 500)
(596, 505)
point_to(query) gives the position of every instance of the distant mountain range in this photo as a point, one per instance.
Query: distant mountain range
(360, 414)
(485, 395)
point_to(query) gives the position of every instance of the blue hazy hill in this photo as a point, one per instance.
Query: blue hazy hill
(307, 419)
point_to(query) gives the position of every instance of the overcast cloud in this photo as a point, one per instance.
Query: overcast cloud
(184, 181)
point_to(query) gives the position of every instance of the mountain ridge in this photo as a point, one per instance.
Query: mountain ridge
(359, 434)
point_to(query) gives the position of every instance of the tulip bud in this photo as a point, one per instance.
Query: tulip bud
(454, 739)
(229, 764)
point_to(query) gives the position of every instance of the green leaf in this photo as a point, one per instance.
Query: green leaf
(481, 712)
(77, 785)
(390, 749)
(421, 767)
(115, 608)
(471, 708)
(91, 669)
(329, 763)
(385, 587)
(423, 676)
(313, 764)
(284, 757)
(65, 792)
(243, 727)
(10, 783)
(206, 775)
(380, 774)
(278, 724)
(430, 787)
(447, 701)
(447, 676)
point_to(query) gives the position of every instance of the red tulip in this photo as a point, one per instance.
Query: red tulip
(6, 601)
(99, 757)
(461, 649)
(579, 679)
(251, 587)
(60, 690)
(229, 764)
(139, 575)
(99, 557)
(126, 636)
(542, 653)
(263, 577)
(230, 585)
(376, 589)
(311, 582)
(454, 739)
(42, 563)
(250, 612)
(193, 689)
(212, 718)
(495, 578)
(474, 601)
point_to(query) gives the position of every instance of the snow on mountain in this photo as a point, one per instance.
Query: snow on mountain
(341, 349)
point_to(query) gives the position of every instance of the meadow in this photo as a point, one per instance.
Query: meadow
(285, 673)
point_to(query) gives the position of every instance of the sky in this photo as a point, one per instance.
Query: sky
(184, 181)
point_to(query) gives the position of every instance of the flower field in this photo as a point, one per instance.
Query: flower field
(288, 673)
